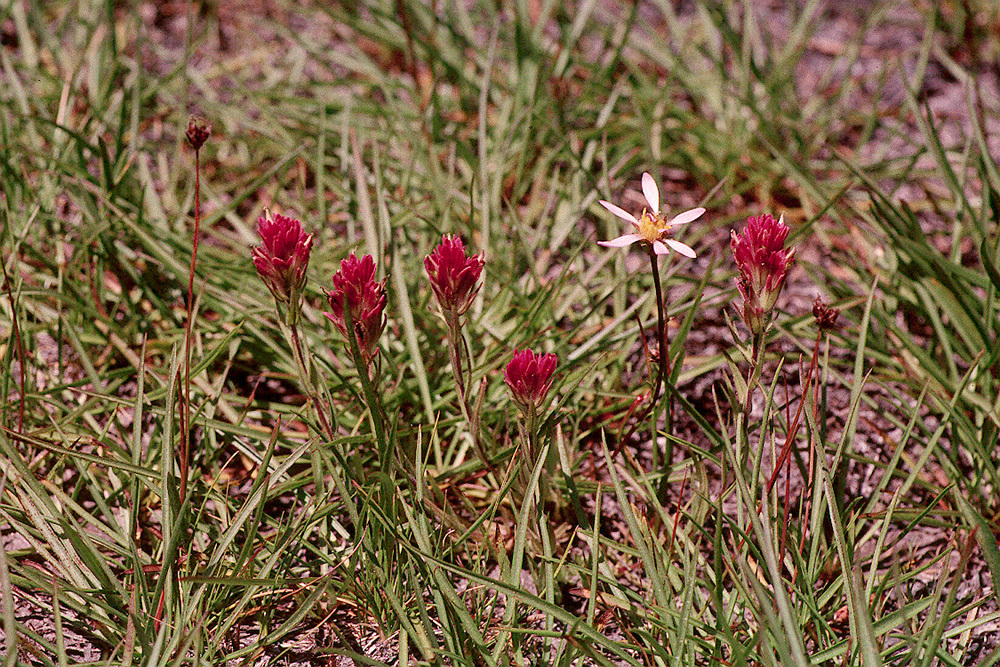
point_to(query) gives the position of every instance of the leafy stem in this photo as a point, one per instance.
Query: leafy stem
(305, 376)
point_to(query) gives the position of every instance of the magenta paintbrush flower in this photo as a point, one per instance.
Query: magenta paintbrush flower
(652, 229)
(453, 275)
(355, 287)
(529, 377)
(763, 262)
(283, 258)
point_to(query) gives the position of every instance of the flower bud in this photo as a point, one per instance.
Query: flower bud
(355, 288)
(283, 258)
(454, 276)
(763, 262)
(197, 133)
(529, 377)
(826, 317)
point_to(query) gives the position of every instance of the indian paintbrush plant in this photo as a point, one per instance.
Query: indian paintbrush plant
(357, 304)
(763, 262)
(454, 278)
(529, 377)
(281, 261)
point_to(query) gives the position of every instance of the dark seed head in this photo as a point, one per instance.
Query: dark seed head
(197, 133)
(826, 317)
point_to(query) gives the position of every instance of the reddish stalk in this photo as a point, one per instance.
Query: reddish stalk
(185, 413)
(793, 428)
(677, 515)
(788, 479)
(20, 348)
(826, 318)
(197, 135)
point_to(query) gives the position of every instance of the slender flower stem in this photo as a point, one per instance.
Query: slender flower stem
(196, 136)
(369, 389)
(793, 427)
(753, 374)
(307, 383)
(186, 411)
(663, 373)
(812, 436)
(661, 330)
(743, 418)
(457, 368)
(456, 348)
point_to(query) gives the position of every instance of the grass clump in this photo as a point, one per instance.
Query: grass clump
(507, 445)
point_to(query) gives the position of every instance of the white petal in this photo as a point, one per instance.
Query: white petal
(621, 213)
(621, 241)
(659, 248)
(687, 216)
(681, 248)
(652, 193)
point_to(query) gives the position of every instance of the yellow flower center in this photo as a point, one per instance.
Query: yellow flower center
(650, 227)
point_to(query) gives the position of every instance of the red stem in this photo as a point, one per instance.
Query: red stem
(18, 344)
(185, 413)
(793, 428)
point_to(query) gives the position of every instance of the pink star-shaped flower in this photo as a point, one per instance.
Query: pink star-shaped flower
(651, 228)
